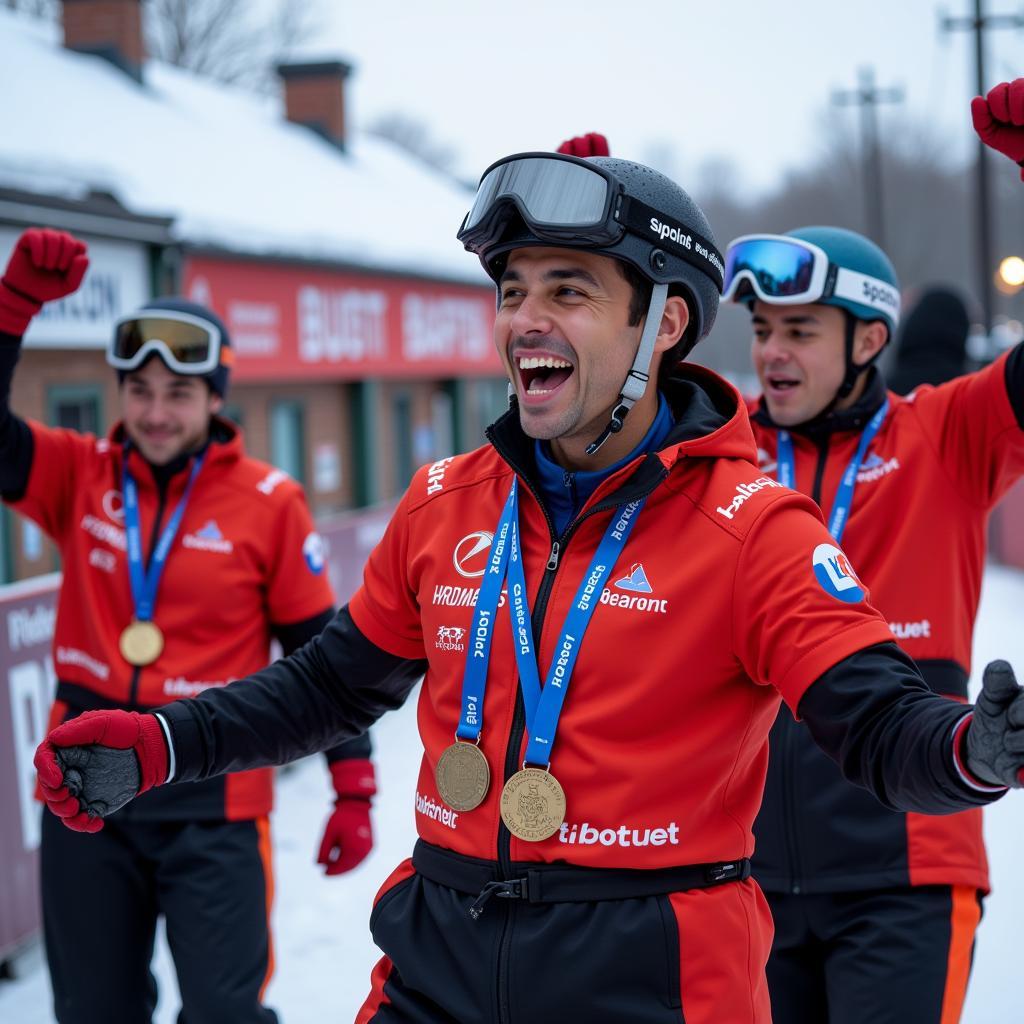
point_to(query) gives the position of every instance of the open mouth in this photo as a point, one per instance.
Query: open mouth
(541, 375)
(782, 383)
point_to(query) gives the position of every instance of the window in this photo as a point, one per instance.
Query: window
(401, 425)
(288, 438)
(75, 406)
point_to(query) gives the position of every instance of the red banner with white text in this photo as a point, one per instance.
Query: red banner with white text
(292, 323)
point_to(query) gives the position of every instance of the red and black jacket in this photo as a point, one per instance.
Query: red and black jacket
(237, 576)
(666, 724)
(917, 535)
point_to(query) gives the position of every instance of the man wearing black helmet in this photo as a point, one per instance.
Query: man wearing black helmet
(181, 557)
(583, 855)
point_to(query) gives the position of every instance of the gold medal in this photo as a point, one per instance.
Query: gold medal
(533, 805)
(141, 643)
(463, 776)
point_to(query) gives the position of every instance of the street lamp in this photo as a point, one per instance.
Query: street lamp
(1011, 271)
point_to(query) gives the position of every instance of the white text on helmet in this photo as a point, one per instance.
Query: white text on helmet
(673, 234)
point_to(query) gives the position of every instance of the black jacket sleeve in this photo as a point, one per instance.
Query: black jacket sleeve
(333, 688)
(874, 716)
(294, 635)
(16, 445)
(1015, 382)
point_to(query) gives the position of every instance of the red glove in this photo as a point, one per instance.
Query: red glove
(45, 265)
(348, 836)
(591, 144)
(999, 119)
(97, 762)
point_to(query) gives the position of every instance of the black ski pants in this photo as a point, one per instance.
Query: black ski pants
(102, 895)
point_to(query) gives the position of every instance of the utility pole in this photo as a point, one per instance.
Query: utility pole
(986, 261)
(867, 97)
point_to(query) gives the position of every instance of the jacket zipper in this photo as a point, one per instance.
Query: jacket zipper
(558, 545)
(133, 693)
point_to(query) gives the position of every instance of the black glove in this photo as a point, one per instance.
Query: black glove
(102, 779)
(995, 736)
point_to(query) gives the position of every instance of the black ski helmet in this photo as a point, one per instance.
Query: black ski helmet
(665, 236)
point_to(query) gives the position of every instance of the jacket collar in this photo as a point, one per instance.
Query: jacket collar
(223, 446)
(836, 421)
(710, 422)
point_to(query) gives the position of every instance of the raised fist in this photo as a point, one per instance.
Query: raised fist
(591, 144)
(999, 119)
(45, 265)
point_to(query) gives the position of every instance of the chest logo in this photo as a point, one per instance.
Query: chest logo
(636, 582)
(470, 557)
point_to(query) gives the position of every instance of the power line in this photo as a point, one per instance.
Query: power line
(986, 263)
(868, 97)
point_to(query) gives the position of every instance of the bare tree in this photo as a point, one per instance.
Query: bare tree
(226, 39)
(416, 138)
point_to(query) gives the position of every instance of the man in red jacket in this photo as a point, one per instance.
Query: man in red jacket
(181, 558)
(608, 602)
(875, 909)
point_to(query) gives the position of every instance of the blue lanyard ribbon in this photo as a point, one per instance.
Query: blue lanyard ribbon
(145, 582)
(543, 707)
(840, 513)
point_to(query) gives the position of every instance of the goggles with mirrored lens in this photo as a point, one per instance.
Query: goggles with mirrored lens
(561, 198)
(187, 344)
(781, 270)
(573, 202)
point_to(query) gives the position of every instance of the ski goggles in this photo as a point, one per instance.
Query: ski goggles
(187, 344)
(781, 271)
(570, 201)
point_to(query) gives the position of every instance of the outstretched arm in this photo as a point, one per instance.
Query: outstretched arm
(335, 687)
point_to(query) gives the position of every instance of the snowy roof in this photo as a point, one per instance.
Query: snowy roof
(223, 162)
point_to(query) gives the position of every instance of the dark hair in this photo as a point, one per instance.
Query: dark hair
(638, 304)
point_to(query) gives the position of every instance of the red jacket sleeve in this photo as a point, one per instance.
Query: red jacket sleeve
(59, 457)
(975, 431)
(798, 606)
(297, 583)
(385, 608)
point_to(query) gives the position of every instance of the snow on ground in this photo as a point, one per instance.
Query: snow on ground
(324, 952)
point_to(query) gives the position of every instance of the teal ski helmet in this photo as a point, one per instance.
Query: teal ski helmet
(852, 251)
(827, 265)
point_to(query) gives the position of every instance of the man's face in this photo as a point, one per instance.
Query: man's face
(799, 355)
(164, 413)
(562, 332)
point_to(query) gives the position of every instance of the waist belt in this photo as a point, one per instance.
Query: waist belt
(565, 883)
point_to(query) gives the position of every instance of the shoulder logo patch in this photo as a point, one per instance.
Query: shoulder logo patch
(836, 576)
(313, 552)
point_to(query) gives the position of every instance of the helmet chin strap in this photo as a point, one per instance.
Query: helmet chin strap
(639, 375)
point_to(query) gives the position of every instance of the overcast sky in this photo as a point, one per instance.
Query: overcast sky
(671, 82)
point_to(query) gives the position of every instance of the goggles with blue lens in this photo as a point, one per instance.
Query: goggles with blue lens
(782, 270)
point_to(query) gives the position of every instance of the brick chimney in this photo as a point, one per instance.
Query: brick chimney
(314, 96)
(111, 29)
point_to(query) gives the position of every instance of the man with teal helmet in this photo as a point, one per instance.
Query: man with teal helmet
(875, 910)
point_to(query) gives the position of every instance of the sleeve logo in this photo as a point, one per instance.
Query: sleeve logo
(836, 576)
(313, 552)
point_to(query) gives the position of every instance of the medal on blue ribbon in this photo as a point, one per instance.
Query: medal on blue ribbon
(533, 802)
(142, 640)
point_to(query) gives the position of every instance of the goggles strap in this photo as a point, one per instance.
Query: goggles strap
(636, 380)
